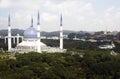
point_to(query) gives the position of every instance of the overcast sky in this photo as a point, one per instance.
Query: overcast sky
(86, 15)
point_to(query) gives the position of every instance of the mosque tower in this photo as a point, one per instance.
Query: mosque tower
(61, 33)
(38, 34)
(9, 34)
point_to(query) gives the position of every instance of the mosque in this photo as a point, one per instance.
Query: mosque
(32, 40)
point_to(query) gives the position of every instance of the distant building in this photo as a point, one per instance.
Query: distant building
(107, 46)
(92, 40)
(43, 37)
(115, 32)
(75, 38)
(118, 36)
(113, 53)
(53, 37)
(65, 36)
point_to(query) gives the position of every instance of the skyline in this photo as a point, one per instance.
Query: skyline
(86, 15)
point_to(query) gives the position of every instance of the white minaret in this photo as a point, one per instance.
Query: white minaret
(9, 34)
(61, 33)
(38, 34)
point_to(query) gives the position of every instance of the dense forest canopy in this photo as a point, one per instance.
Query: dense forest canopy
(83, 60)
(92, 65)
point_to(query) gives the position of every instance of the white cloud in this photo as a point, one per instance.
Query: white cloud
(77, 14)
(2, 24)
(4, 4)
(48, 17)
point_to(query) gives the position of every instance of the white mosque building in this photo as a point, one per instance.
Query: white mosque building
(32, 40)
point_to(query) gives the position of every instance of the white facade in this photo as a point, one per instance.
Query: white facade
(14, 39)
(107, 46)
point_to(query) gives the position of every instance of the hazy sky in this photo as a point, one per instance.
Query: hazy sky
(87, 15)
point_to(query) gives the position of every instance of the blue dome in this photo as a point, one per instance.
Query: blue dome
(30, 33)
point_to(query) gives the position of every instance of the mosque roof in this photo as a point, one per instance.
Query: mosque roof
(30, 43)
(30, 33)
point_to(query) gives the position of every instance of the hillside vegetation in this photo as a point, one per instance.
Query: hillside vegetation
(91, 65)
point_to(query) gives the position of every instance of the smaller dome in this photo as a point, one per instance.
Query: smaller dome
(30, 33)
